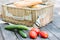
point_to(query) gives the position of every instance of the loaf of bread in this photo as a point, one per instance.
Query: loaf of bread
(20, 4)
(27, 3)
(36, 6)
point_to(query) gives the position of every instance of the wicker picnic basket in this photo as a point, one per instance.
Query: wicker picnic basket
(28, 16)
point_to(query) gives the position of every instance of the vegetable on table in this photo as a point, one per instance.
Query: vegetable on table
(36, 30)
(43, 34)
(21, 32)
(33, 34)
(12, 27)
(19, 28)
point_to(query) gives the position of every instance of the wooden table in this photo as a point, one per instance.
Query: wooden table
(53, 30)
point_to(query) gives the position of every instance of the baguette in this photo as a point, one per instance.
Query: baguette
(20, 4)
(26, 3)
(36, 6)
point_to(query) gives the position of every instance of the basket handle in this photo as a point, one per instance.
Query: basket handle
(38, 21)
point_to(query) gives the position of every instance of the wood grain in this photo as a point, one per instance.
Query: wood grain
(50, 35)
(8, 35)
(55, 31)
(1, 37)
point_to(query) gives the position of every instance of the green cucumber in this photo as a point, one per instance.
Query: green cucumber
(11, 27)
(21, 32)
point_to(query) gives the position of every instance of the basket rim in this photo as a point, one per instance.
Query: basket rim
(26, 8)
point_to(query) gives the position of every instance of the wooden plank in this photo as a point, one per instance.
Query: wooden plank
(57, 24)
(57, 21)
(54, 30)
(39, 38)
(8, 35)
(50, 35)
(1, 37)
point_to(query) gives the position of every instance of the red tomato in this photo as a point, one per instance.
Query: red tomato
(36, 30)
(43, 34)
(33, 34)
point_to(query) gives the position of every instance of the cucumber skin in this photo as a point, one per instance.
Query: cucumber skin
(24, 35)
(12, 27)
